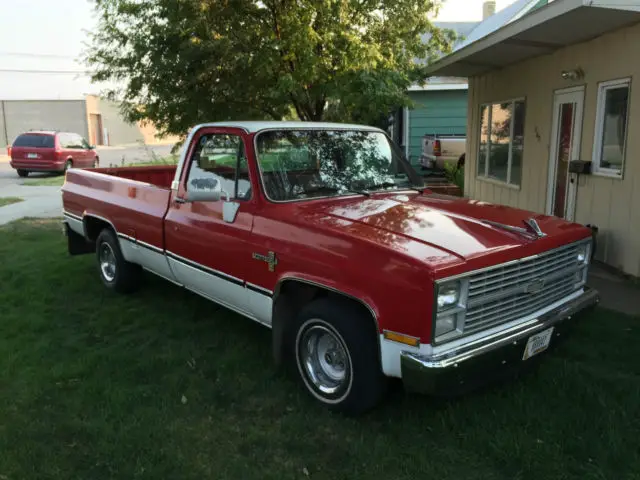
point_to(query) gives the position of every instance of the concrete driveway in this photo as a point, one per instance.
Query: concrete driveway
(47, 201)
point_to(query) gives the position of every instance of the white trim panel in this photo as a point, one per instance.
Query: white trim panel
(149, 257)
(74, 224)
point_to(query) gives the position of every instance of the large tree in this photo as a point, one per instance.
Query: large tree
(181, 62)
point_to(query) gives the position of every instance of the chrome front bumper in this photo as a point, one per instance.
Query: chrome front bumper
(460, 369)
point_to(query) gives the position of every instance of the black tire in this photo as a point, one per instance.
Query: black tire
(23, 173)
(347, 327)
(123, 277)
(67, 165)
(96, 163)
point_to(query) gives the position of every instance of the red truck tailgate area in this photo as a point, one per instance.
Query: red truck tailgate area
(133, 199)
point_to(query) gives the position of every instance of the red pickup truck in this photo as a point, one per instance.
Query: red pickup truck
(325, 234)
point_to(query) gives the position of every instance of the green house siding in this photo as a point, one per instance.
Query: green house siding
(443, 112)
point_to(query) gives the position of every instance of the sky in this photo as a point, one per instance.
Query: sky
(41, 41)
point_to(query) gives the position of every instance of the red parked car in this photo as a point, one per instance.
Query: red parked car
(326, 234)
(51, 151)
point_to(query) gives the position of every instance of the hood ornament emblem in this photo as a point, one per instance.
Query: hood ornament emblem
(532, 230)
(534, 227)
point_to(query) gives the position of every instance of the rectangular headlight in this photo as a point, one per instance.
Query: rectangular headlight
(445, 324)
(448, 295)
(450, 308)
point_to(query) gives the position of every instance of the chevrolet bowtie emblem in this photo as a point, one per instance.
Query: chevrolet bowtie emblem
(535, 286)
(270, 259)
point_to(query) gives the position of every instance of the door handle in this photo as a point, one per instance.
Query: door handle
(179, 200)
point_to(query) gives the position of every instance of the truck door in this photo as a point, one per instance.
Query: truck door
(208, 243)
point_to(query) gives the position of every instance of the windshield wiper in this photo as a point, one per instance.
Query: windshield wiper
(378, 186)
(327, 189)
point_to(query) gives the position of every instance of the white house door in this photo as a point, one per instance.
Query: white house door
(566, 137)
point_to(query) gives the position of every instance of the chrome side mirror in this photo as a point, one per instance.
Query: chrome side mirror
(205, 190)
(203, 195)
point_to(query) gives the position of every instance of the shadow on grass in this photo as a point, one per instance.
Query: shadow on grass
(164, 384)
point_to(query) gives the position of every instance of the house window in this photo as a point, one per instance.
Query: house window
(501, 141)
(611, 127)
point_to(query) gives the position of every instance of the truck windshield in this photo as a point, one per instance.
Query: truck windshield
(301, 164)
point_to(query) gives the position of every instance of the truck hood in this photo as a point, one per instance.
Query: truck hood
(463, 228)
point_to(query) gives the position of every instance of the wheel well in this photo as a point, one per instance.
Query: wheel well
(290, 296)
(93, 226)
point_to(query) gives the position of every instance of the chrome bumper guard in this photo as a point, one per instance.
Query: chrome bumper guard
(460, 369)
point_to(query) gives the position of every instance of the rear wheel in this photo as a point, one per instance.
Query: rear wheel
(115, 272)
(96, 163)
(336, 352)
(23, 173)
(68, 164)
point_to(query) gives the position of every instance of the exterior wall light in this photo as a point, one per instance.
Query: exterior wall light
(575, 74)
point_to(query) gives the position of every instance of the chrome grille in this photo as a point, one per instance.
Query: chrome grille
(499, 295)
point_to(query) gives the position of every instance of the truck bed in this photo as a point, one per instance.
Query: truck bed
(134, 200)
(158, 175)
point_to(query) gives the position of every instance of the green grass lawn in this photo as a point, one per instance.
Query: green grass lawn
(9, 200)
(48, 181)
(163, 384)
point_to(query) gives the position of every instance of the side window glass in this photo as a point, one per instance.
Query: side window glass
(219, 159)
(78, 142)
(64, 140)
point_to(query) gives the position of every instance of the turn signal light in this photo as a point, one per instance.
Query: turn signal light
(401, 338)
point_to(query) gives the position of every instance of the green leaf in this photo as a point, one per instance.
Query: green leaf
(177, 63)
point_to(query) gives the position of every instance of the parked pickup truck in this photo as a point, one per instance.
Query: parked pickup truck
(325, 234)
(438, 150)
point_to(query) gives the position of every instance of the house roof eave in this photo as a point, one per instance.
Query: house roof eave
(542, 31)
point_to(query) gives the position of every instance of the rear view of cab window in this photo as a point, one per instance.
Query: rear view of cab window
(34, 141)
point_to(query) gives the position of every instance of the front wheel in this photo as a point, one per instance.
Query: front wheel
(336, 351)
(23, 173)
(115, 272)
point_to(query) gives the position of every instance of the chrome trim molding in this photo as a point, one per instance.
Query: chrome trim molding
(316, 284)
(259, 289)
(93, 215)
(198, 266)
(510, 262)
(71, 215)
(149, 246)
(452, 358)
(126, 237)
(479, 300)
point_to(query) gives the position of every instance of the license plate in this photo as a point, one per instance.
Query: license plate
(537, 343)
(32, 155)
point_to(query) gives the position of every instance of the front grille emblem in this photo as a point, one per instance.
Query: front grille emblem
(534, 287)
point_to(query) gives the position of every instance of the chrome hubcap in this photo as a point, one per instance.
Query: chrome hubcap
(107, 262)
(324, 359)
